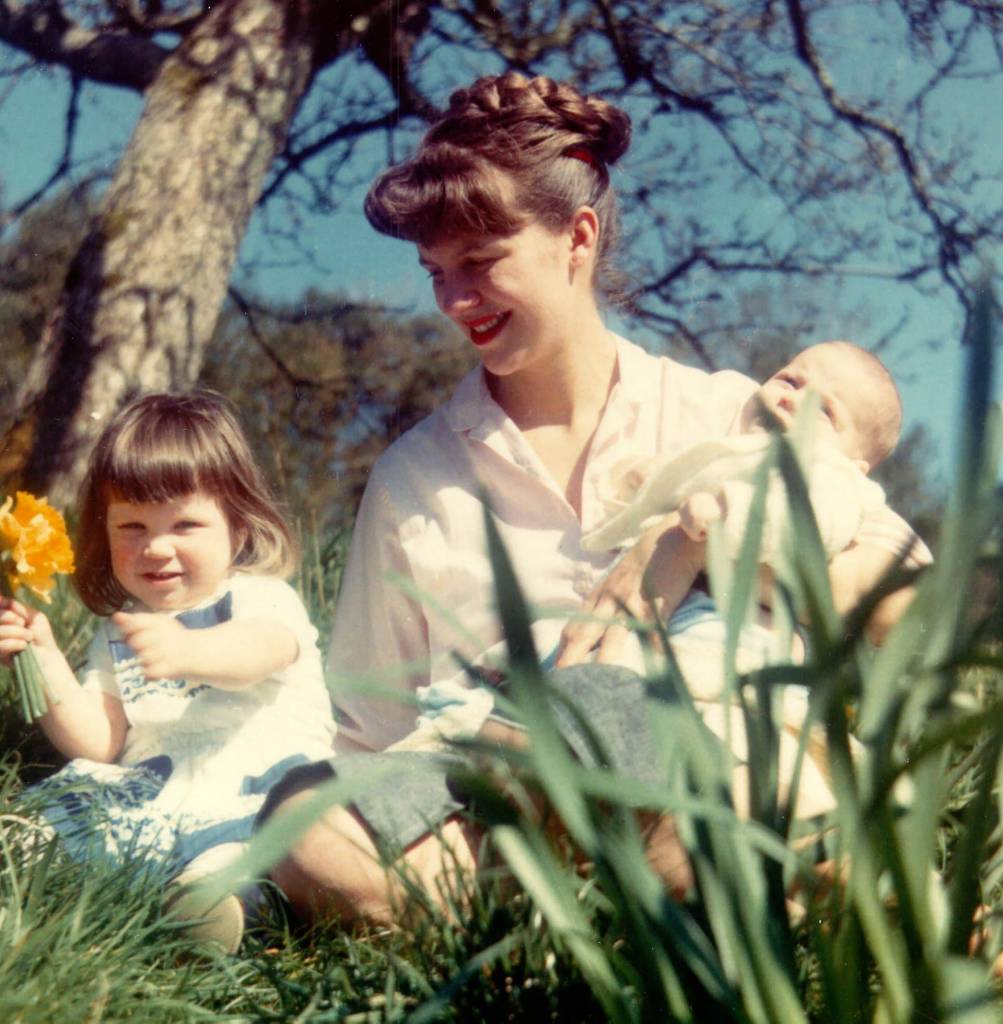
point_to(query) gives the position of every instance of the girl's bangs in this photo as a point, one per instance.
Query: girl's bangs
(144, 469)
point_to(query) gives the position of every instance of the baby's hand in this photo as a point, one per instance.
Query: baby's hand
(20, 626)
(162, 644)
(699, 510)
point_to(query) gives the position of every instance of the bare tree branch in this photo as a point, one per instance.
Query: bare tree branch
(294, 160)
(148, 17)
(951, 241)
(101, 55)
(259, 339)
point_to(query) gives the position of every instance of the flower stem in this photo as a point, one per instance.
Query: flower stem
(22, 692)
(31, 685)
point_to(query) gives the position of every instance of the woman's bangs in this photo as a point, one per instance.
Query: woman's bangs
(439, 195)
(472, 206)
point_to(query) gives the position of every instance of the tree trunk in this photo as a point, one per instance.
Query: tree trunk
(142, 296)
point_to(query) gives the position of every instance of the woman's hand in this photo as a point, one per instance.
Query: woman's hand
(652, 576)
(20, 626)
(853, 573)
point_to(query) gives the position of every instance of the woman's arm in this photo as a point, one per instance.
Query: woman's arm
(379, 643)
(854, 573)
(79, 722)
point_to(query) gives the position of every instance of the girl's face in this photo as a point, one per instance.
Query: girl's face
(170, 555)
(515, 298)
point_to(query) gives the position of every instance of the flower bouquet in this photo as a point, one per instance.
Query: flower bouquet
(34, 547)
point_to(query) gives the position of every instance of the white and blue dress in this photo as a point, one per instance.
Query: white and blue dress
(198, 760)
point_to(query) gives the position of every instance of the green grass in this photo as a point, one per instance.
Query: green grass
(90, 944)
(888, 944)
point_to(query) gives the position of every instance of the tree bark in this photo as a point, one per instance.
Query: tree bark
(142, 295)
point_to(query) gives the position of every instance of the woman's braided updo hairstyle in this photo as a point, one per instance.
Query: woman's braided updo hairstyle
(554, 144)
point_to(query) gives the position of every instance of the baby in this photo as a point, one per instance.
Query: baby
(856, 425)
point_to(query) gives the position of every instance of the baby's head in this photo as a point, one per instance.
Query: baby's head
(164, 447)
(860, 408)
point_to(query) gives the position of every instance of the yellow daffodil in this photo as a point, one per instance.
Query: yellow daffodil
(34, 545)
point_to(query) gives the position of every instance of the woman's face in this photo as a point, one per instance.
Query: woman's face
(515, 298)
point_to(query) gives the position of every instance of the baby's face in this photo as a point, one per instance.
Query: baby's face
(847, 408)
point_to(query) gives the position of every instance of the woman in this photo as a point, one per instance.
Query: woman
(509, 203)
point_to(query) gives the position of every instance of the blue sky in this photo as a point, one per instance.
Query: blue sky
(370, 267)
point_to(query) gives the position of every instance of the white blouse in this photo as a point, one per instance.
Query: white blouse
(418, 590)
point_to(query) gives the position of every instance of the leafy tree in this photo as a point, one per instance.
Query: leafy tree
(823, 125)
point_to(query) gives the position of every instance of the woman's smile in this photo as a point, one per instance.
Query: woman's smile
(486, 328)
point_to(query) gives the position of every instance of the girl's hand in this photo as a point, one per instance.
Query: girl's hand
(21, 625)
(228, 656)
(162, 644)
(655, 574)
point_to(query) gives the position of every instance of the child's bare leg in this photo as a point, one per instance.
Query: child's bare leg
(220, 922)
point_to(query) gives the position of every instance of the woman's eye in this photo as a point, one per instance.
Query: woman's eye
(129, 527)
(187, 524)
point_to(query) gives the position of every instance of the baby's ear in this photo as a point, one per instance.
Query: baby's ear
(862, 465)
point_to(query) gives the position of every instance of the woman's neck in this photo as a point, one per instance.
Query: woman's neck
(568, 387)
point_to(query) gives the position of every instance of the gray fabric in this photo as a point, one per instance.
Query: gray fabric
(615, 703)
(419, 793)
(407, 803)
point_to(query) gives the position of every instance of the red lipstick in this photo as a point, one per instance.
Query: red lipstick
(486, 328)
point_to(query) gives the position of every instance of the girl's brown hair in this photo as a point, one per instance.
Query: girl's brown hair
(554, 144)
(161, 447)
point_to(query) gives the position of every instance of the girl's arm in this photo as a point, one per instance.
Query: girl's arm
(79, 722)
(229, 656)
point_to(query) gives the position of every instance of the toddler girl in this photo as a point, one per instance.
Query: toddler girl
(203, 685)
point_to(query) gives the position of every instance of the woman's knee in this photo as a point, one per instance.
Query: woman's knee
(666, 853)
(334, 869)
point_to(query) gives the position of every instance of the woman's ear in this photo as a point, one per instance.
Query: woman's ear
(584, 236)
